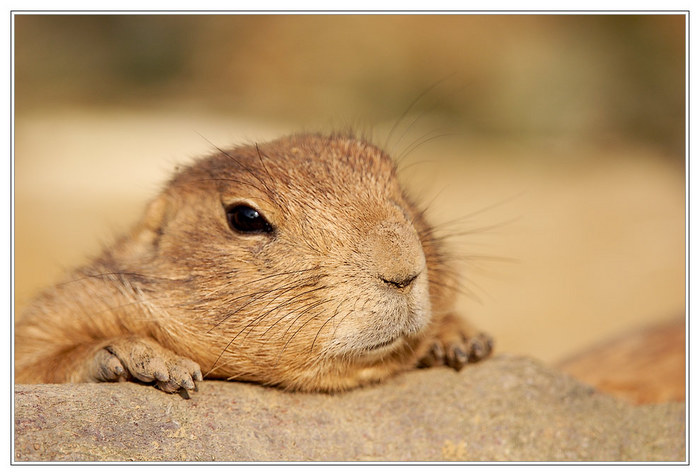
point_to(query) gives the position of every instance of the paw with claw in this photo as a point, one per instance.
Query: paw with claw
(456, 344)
(144, 360)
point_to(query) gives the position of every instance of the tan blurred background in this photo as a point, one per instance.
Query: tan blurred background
(556, 159)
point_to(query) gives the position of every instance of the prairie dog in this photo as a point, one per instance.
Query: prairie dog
(299, 263)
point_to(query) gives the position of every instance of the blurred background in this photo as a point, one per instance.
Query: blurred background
(550, 147)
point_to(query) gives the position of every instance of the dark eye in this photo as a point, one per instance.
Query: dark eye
(244, 219)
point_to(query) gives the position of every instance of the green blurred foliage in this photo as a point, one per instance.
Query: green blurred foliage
(600, 78)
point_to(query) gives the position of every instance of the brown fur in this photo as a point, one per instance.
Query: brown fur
(302, 307)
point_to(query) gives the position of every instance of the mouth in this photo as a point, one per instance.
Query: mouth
(383, 345)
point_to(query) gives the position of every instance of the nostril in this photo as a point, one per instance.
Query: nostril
(400, 283)
(395, 253)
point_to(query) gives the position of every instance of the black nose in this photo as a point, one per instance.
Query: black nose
(399, 283)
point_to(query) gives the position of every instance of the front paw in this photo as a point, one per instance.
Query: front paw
(134, 358)
(456, 344)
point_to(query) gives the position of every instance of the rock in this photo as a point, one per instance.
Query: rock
(504, 409)
(640, 365)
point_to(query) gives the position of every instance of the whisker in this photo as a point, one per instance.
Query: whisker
(260, 294)
(410, 107)
(459, 288)
(271, 194)
(291, 311)
(422, 140)
(86, 276)
(457, 221)
(254, 297)
(253, 323)
(335, 313)
(306, 310)
(269, 175)
(433, 236)
(350, 311)
(236, 181)
(320, 303)
(472, 258)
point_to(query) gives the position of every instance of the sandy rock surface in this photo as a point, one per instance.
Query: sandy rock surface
(505, 409)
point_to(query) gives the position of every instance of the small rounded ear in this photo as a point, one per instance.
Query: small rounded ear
(150, 228)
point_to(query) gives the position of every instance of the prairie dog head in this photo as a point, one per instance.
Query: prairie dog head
(299, 263)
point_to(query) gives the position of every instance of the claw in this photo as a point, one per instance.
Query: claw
(480, 347)
(145, 360)
(456, 344)
(438, 352)
(476, 351)
(460, 358)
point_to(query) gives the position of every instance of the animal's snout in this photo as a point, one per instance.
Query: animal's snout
(396, 254)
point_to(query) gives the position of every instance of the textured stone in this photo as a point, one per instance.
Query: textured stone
(504, 409)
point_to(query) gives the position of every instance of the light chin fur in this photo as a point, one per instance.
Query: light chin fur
(345, 372)
(377, 334)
